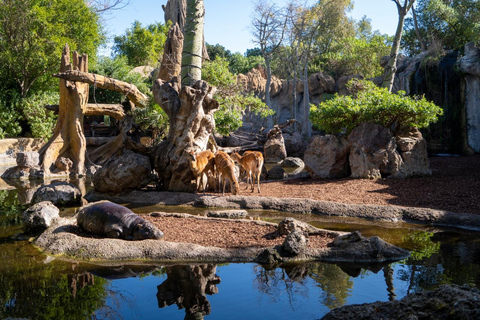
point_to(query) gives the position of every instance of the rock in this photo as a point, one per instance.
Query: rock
(292, 162)
(446, 302)
(354, 247)
(373, 152)
(413, 150)
(289, 225)
(128, 171)
(295, 145)
(229, 214)
(326, 157)
(295, 243)
(59, 193)
(23, 173)
(63, 164)
(276, 173)
(274, 148)
(29, 159)
(39, 216)
(269, 256)
(342, 84)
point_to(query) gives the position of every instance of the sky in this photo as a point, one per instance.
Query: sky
(227, 21)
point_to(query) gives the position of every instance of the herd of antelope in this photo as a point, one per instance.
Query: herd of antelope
(222, 166)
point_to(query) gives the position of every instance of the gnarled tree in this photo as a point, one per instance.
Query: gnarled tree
(189, 106)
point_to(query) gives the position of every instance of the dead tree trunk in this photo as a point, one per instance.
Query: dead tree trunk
(68, 139)
(190, 110)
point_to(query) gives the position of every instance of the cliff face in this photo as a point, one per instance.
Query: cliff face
(453, 83)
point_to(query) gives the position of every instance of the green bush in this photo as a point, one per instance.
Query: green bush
(375, 105)
(9, 116)
(40, 120)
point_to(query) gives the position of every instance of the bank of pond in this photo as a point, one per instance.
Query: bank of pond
(36, 286)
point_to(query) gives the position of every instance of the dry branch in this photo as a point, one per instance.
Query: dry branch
(128, 89)
(97, 109)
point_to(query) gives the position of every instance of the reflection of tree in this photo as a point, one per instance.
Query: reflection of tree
(187, 287)
(9, 208)
(334, 283)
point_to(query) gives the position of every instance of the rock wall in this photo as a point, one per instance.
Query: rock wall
(453, 83)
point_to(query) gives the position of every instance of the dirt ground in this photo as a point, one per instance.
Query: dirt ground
(454, 186)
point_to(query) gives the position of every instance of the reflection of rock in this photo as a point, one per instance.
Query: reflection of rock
(187, 286)
(446, 302)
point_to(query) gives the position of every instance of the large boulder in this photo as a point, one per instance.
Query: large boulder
(59, 193)
(274, 148)
(29, 159)
(295, 145)
(373, 152)
(413, 150)
(39, 216)
(125, 172)
(446, 302)
(327, 157)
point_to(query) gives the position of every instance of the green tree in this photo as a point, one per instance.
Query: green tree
(233, 102)
(450, 23)
(376, 105)
(142, 46)
(32, 35)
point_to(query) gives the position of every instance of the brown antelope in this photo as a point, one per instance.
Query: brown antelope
(252, 163)
(201, 163)
(225, 168)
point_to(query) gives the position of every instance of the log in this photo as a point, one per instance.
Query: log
(97, 109)
(128, 89)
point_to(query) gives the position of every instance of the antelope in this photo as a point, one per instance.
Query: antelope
(201, 164)
(252, 163)
(225, 168)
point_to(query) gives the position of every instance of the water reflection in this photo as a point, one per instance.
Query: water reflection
(187, 286)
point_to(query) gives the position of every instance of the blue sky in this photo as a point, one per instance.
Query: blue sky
(227, 21)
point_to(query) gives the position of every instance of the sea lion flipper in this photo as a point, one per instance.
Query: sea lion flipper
(113, 234)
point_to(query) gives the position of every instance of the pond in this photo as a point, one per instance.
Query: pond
(36, 286)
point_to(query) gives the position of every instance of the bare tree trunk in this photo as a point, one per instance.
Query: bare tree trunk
(307, 128)
(68, 139)
(190, 111)
(172, 54)
(268, 102)
(193, 43)
(391, 67)
(423, 47)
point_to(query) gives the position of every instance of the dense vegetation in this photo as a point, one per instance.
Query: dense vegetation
(308, 39)
(370, 103)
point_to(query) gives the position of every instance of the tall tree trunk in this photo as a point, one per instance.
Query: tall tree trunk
(268, 102)
(193, 43)
(391, 67)
(423, 47)
(307, 128)
(189, 108)
(68, 139)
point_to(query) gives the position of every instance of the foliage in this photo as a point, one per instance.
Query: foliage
(452, 23)
(233, 101)
(237, 63)
(142, 46)
(9, 115)
(152, 118)
(41, 121)
(372, 104)
(33, 33)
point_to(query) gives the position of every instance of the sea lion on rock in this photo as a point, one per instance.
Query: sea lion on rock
(112, 220)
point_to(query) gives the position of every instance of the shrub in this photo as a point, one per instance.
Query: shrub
(40, 120)
(376, 105)
(9, 116)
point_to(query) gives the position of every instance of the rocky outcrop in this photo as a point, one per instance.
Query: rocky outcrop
(446, 302)
(327, 157)
(370, 151)
(125, 172)
(469, 64)
(294, 144)
(274, 148)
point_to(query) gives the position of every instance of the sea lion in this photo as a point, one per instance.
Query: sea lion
(112, 220)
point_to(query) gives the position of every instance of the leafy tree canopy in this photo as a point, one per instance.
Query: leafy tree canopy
(375, 105)
(142, 46)
(233, 101)
(33, 33)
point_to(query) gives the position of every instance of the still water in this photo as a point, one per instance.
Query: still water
(35, 286)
